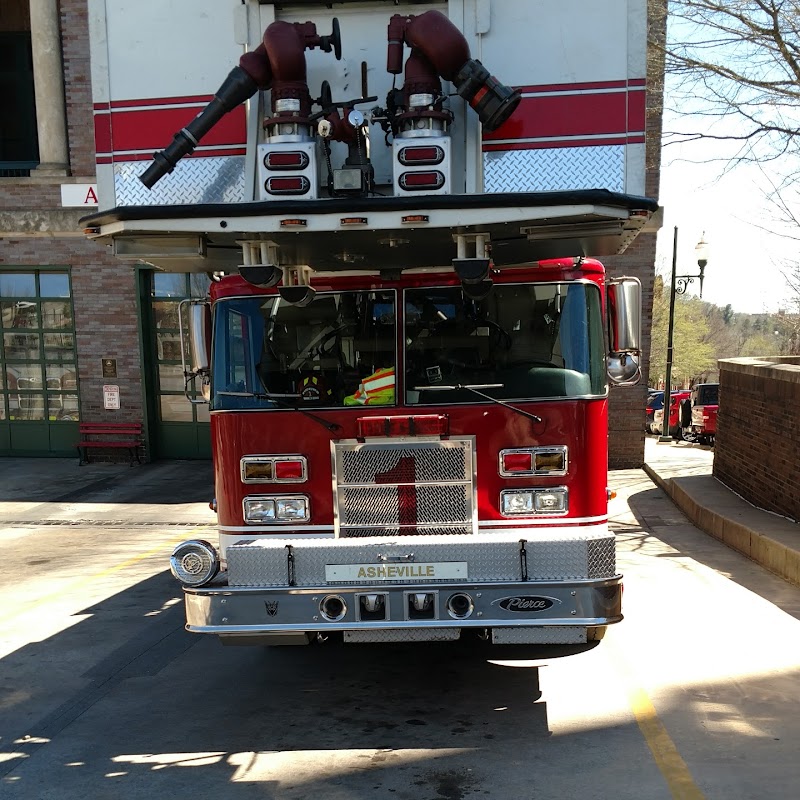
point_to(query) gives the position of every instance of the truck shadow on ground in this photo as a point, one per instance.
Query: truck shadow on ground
(396, 716)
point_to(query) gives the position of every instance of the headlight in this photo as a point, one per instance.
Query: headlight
(292, 508)
(276, 509)
(194, 563)
(259, 510)
(527, 502)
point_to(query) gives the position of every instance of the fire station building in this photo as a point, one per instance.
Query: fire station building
(88, 337)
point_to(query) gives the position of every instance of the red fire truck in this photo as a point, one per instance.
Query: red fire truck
(407, 376)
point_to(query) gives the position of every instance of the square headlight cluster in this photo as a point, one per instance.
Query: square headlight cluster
(280, 509)
(528, 502)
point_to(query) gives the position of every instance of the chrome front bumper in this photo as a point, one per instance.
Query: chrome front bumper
(564, 608)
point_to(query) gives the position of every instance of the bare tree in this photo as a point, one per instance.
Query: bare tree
(734, 75)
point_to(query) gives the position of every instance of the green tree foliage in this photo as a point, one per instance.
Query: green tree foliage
(705, 333)
(692, 354)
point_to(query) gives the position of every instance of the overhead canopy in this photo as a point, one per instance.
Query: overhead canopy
(375, 233)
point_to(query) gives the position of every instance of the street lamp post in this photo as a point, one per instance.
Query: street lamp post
(679, 285)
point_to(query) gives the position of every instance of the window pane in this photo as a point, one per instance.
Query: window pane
(26, 406)
(543, 340)
(175, 408)
(61, 376)
(165, 314)
(21, 345)
(59, 346)
(169, 284)
(168, 346)
(24, 376)
(170, 377)
(53, 284)
(198, 284)
(202, 412)
(3, 407)
(56, 315)
(17, 284)
(22, 314)
(62, 407)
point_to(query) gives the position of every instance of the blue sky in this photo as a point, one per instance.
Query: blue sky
(745, 261)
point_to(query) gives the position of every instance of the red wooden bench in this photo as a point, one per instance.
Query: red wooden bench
(126, 434)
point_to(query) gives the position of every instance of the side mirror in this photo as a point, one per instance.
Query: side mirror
(199, 335)
(624, 319)
(200, 344)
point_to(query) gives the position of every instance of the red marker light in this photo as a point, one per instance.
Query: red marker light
(417, 425)
(297, 184)
(282, 160)
(517, 462)
(420, 156)
(290, 470)
(415, 181)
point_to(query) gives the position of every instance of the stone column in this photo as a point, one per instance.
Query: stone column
(48, 81)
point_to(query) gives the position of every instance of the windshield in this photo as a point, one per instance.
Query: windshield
(521, 341)
(339, 350)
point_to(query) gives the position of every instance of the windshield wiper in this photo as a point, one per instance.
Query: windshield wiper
(279, 400)
(474, 387)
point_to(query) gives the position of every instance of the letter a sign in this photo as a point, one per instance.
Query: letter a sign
(79, 194)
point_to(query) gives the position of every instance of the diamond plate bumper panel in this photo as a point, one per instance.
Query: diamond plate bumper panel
(407, 635)
(554, 635)
(581, 554)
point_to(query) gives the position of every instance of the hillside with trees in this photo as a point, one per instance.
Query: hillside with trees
(705, 333)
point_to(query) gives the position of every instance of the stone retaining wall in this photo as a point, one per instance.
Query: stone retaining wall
(757, 451)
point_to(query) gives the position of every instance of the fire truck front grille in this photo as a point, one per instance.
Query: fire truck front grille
(393, 488)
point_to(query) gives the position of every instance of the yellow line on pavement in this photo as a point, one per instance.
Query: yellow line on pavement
(665, 753)
(673, 768)
(103, 573)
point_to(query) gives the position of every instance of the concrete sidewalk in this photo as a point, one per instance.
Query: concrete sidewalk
(684, 471)
(58, 491)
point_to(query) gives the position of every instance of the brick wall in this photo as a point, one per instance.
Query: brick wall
(757, 449)
(77, 85)
(106, 324)
(627, 403)
(37, 232)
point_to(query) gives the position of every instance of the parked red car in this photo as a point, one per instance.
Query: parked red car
(699, 414)
(675, 429)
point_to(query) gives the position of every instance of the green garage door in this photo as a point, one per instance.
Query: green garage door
(39, 408)
(178, 428)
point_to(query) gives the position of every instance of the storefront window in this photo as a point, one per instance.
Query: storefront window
(167, 290)
(38, 376)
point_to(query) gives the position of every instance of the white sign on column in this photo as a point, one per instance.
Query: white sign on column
(110, 396)
(78, 194)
